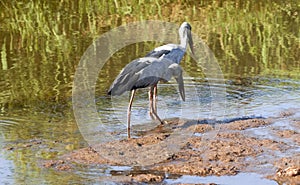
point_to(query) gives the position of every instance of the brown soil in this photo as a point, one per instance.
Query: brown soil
(288, 170)
(228, 150)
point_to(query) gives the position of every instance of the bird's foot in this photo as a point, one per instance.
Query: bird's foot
(164, 122)
(154, 116)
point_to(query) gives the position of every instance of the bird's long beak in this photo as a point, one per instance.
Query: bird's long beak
(191, 43)
(179, 80)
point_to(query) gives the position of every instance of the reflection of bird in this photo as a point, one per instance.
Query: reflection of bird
(159, 65)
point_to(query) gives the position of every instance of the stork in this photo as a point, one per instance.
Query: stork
(159, 64)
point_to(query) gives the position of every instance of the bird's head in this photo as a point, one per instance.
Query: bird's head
(185, 32)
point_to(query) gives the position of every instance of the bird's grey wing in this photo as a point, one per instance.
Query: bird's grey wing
(162, 50)
(146, 82)
(152, 74)
(157, 54)
(135, 66)
(128, 76)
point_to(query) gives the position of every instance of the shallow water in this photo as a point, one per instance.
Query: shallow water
(255, 100)
(248, 179)
(41, 43)
(239, 102)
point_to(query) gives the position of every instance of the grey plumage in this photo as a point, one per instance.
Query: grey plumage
(145, 72)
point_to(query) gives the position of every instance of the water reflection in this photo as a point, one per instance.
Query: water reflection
(40, 49)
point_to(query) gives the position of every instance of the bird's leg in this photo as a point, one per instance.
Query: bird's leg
(156, 116)
(129, 112)
(150, 102)
(155, 98)
(154, 112)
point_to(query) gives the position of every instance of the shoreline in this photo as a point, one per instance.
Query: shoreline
(240, 146)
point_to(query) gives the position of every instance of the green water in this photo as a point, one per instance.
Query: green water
(41, 43)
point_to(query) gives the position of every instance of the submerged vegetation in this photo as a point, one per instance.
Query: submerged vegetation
(42, 41)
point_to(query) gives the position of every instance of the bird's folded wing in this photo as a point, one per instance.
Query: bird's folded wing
(129, 74)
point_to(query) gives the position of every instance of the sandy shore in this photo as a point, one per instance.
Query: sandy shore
(259, 145)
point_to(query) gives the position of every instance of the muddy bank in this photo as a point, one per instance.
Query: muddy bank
(229, 149)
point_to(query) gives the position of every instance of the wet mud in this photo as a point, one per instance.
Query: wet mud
(266, 146)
